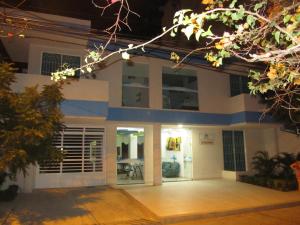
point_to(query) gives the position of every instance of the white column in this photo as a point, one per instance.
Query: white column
(155, 84)
(111, 155)
(133, 147)
(148, 155)
(157, 179)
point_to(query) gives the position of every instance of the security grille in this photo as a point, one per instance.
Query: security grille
(82, 148)
(52, 62)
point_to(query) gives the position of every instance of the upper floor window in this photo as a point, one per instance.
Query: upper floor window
(51, 62)
(135, 87)
(238, 85)
(180, 89)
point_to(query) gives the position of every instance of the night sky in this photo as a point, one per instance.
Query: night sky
(148, 25)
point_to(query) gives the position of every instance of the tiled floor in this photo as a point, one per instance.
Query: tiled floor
(189, 198)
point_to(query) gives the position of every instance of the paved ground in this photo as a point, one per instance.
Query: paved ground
(176, 201)
(108, 206)
(85, 206)
(286, 216)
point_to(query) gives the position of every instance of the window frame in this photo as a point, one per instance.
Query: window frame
(61, 54)
(238, 167)
(136, 85)
(180, 89)
(240, 85)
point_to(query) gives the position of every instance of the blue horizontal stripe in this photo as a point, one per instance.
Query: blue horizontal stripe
(186, 117)
(101, 109)
(84, 108)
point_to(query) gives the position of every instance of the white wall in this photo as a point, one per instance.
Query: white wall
(207, 158)
(213, 87)
(37, 48)
(254, 141)
(288, 142)
(84, 89)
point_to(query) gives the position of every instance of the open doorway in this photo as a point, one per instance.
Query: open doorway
(130, 155)
(177, 154)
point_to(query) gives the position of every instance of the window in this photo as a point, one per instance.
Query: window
(83, 151)
(233, 149)
(238, 85)
(135, 90)
(180, 89)
(51, 62)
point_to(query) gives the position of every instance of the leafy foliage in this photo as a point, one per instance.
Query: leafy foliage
(263, 164)
(277, 166)
(283, 161)
(262, 31)
(28, 122)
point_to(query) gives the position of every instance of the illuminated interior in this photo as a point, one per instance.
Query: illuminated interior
(176, 149)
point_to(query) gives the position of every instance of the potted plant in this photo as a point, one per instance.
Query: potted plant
(11, 192)
(296, 167)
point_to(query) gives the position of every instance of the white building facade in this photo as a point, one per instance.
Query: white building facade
(143, 121)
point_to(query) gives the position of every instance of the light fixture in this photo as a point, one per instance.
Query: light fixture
(179, 125)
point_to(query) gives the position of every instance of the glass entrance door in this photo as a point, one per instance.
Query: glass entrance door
(177, 157)
(130, 155)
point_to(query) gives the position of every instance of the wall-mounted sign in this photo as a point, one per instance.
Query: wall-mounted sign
(207, 138)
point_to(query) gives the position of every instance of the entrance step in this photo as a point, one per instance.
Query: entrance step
(189, 217)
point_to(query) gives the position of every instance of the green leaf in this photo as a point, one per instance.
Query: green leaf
(277, 36)
(235, 46)
(287, 18)
(234, 16)
(228, 13)
(297, 17)
(224, 54)
(214, 16)
(259, 6)
(232, 4)
(251, 20)
(241, 11)
(224, 19)
(207, 33)
(239, 14)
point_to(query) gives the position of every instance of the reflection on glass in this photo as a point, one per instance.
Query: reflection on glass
(179, 91)
(176, 154)
(130, 155)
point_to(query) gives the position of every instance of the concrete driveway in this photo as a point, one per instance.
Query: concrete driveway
(84, 206)
(209, 202)
(190, 200)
